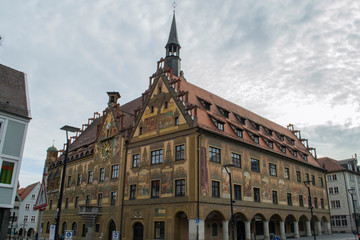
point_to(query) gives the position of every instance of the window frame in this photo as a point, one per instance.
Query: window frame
(102, 175)
(272, 170)
(275, 197)
(180, 187)
(214, 154)
(237, 192)
(159, 230)
(132, 192)
(99, 200)
(298, 176)
(157, 156)
(287, 173)
(113, 198)
(136, 160)
(215, 189)
(155, 188)
(180, 152)
(115, 171)
(289, 199)
(257, 194)
(90, 176)
(255, 165)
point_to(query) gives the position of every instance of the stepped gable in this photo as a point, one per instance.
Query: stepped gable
(197, 94)
(331, 165)
(24, 192)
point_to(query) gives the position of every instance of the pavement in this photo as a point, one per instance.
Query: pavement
(334, 236)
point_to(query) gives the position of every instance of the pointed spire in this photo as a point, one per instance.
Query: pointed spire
(173, 36)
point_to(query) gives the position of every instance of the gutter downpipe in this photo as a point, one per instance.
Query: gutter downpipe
(198, 184)
(123, 190)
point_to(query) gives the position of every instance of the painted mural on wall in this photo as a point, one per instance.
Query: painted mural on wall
(144, 183)
(204, 173)
(226, 184)
(166, 120)
(266, 194)
(150, 124)
(166, 181)
(281, 186)
(247, 184)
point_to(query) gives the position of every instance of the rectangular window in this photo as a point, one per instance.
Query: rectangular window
(132, 192)
(236, 159)
(155, 189)
(336, 190)
(256, 194)
(334, 177)
(26, 218)
(7, 170)
(275, 198)
(287, 173)
(136, 160)
(313, 179)
(298, 176)
(102, 174)
(338, 221)
(238, 132)
(289, 200)
(255, 165)
(90, 179)
(113, 198)
(215, 187)
(301, 201)
(270, 145)
(156, 156)
(237, 192)
(331, 190)
(33, 218)
(50, 205)
(180, 187)
(115, 171)
(84, 230)
(322, 203)
(180, 152)
(76, 202)
(307, 177)
(97, 228)
(87, 203)
(27, 206)
(159, 230)
(220, 125)
(335, 204)
(316, 202)
(69, 182)
(66, 203)
(79, 179)
(215, 154)
(272, 169)
(321, 183)
(176, 121)
(100, 197)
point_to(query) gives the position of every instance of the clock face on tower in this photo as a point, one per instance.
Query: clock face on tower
(105, 151)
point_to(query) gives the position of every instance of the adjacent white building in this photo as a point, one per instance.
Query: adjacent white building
(27, 219)
(14, 120)
(342, 178)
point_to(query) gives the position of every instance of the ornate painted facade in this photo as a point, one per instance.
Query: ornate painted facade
(154, 169)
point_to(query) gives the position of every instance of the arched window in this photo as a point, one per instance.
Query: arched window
(74, 228)
(64, 227)
(47, 227)
(214, 230)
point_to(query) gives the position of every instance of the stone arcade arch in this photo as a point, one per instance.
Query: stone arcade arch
(302, 226)
(30, 232)
(138, 231)
(257, 226)
(290, 222)
(214, 225)
(274, 225)
(239, 226)
(181, 226)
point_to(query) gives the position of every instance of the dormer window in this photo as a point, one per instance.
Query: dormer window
(305, 157)
(268, 131)
(291, 141)
(255, 138)
(280, 136)
(270, 144)
(255, 125)
(224, 112)
(205, 104)
(283, 149)
(350, 167)
(237, 131)
(240, 119)
(219, 125)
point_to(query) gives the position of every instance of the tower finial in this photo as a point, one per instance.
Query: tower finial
(174, 5)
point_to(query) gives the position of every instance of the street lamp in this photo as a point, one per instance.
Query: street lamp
(226, 166)
(67, 129)
(352, 191)
(307, 184)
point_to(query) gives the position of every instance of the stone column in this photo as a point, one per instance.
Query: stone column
(282, 231)
(266, 230)
(247, 230)
(225, 228)
(296, 229)
(328, 227)
(308, 229)
(318, 227)
(195, 227)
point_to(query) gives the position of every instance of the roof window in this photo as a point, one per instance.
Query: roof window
(205, 104)
(224, 112)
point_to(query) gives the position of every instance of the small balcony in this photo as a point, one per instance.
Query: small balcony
(89, 214)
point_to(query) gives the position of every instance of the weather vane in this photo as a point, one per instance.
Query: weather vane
(174, 5)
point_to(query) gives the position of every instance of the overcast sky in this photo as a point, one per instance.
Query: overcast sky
(289, 61)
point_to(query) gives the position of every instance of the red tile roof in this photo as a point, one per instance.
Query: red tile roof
(331, 165)
(24, 192)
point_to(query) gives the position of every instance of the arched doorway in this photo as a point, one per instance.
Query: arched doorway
(257, 226)
(302, 226)
(289, 226)
(138, 231)
(64, 228)
(22, 232)
(30, 232)
(239, 226)
(274, 225)
(213, 225)
(112, 227)
(181, 226)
